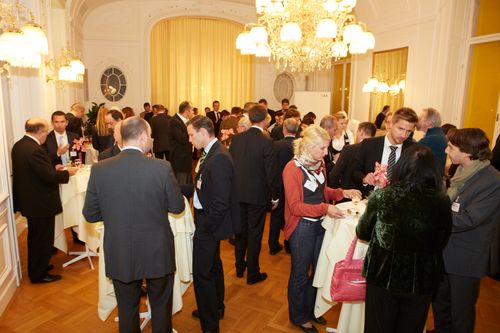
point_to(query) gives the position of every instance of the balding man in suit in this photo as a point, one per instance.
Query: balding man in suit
(133, 194)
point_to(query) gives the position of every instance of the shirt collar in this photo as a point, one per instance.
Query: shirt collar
(132, 147)
(255, 126)
(184, 119)
(210, 144)
(388, 143)
(36, 140)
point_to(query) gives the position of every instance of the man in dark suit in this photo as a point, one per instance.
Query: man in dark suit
(74, 117)
(116, 148)
(277, 132)
(429, 122)
(59, 141)
(329, 123)
(283, 152)
(159, 133)
(216, 215)
(214, 115)
(255, 170)
(181, 153)
(271, 113)
(384, 149)
(341, 174)
(36, 196)
(132, 194)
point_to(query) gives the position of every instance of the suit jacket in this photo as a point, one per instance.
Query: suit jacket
(181, 153)
(277, 133)
(255, 167)
(218, 194)
(159, 132)
(341, 174)
(35, 181)
(474, 224)
(51, 145)
(370, 152)
(110, 152)
(283, 150)
(132, 194)
(75, 124)
(211, 115)
(495, 160)
(437, 142)
(272, 113)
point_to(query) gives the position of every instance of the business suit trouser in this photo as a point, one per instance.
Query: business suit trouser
(454, 305)
(160, 293)
(249, 241)
(40, 244)
(208, 275)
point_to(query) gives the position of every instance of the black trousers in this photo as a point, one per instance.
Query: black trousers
(249, 241)
(454, 305)
(160, 293)
(184, 178)
(208, 275)
(40, 244)
(391, 312)
(277, 221)
(162, 155)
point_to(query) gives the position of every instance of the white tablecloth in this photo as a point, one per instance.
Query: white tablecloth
(339, 234)
(183, 229)
(72, 200)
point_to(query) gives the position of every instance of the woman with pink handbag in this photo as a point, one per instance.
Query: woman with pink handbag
(306, 204)
(408, 224)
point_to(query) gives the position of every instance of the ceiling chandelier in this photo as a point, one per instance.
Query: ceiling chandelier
(21, 46)
(305, 35)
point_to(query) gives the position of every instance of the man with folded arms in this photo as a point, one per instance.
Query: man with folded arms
(36, 195)
(216, 215)
(133, 194)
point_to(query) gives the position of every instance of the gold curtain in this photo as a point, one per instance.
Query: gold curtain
(195, 59)
(388, 66)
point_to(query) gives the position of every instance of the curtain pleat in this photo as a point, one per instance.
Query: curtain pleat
(196, 59)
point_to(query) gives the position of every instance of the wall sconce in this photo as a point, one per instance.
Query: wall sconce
(381, 86)
(20, 46)
(66, 67)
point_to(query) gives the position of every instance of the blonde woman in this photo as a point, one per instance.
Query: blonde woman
(306, 204)
(101, 138)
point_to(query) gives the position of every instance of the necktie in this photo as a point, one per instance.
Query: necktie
(391, 161)
(200, 161)
(64, 158)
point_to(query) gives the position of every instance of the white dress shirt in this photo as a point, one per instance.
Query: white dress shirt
(196, 200)
(387, 151)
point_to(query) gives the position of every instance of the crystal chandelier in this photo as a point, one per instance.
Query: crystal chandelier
(381, 86)
(21, 46)
(305, 35)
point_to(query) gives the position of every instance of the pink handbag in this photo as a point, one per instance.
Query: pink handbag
(348, 284)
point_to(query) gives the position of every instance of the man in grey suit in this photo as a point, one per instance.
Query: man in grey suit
(133, 194)
(475, 195)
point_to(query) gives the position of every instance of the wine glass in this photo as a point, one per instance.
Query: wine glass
(355, 200)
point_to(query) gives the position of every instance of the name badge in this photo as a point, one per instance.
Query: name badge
(72, 154)
(455, 207)
(311, 186)
(198, 184)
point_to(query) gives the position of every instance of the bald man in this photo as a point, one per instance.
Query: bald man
(36, 196)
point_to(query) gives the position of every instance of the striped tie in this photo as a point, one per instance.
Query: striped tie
(391, 161)
(200, 161)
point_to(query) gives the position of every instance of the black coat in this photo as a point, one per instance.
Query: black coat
(341, 174)
(218, 194)
(255, 167)
(159, 132)
(75, 124)
(110, 152)
(51, 146)
(132, 194)
(35, 181)
(181, 153)
(101, 142)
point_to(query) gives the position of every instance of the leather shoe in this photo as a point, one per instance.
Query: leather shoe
(276, 250)
(49, 267)
(48, 278)
(320, 320)
(256, 278)
(196, 313)
(311, 329)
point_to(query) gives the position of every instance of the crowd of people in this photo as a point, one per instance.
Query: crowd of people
(431, 221)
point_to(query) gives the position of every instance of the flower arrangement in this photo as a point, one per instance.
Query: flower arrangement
(79, 145)
(380, 175)
(226, 134)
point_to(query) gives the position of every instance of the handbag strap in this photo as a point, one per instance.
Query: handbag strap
(350, 252)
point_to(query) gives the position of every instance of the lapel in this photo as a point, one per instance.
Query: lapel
(211, 153)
